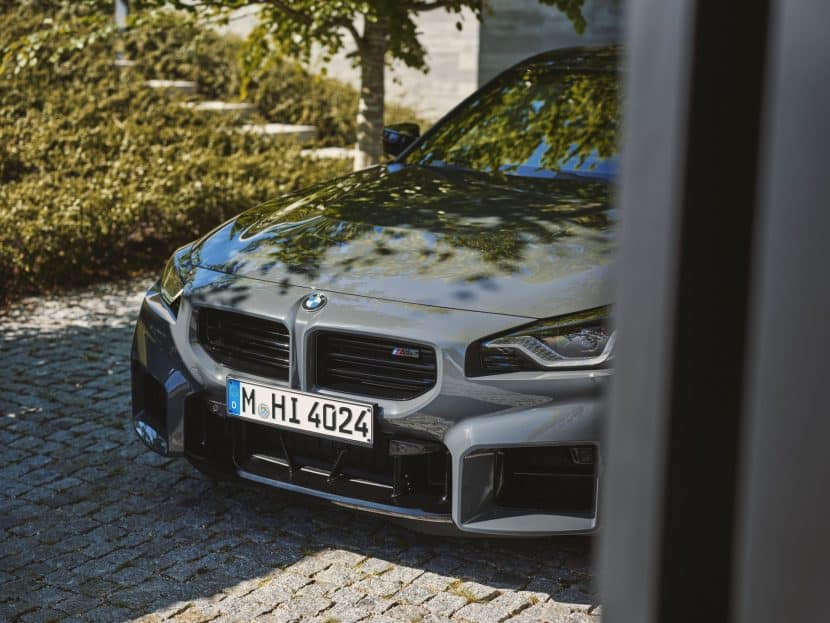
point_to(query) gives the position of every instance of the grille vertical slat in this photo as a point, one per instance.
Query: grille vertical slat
(245, 343)
(366, 365)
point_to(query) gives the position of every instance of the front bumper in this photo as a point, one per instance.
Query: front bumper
(469, 443)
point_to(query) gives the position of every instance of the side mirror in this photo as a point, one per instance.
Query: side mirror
(398, 137)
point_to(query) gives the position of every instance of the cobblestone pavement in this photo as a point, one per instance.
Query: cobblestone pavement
(97, 528)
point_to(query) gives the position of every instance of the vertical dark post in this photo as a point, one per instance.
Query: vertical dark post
(695, 73)
(782, 570)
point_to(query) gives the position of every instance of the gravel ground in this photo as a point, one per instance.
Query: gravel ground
(95, 527)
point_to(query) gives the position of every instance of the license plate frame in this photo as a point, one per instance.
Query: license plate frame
(301, 412)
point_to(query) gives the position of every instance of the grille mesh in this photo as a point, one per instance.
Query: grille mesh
(245, 343)
(375, 367)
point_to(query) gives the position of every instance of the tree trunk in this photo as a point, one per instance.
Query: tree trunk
(370, 107)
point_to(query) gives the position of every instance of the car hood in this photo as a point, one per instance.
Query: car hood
(500, 244)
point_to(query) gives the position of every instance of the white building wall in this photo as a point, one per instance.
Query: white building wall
(452, 57)
(461, 61)
(521, 28)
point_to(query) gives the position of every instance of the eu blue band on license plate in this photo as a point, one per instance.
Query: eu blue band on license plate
(233, 397)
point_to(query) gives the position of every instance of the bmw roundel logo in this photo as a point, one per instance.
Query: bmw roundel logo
(313, 302)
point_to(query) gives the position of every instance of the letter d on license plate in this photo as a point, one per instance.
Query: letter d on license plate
(352, 422)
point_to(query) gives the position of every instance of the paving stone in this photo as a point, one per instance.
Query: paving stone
(197, 613)
(341, 613)
(401, 574)
(413, 594)
(435, 618)
(407, 612)
(339, 575)
(242, 609)
(542, 585)
(342, 557)
(502, 607)
(375, 566)
(551, 612)
(378, 586)
(240, 589)
(383, 618)
(11, 610)
(291, 581)
(271, 593)
(445, 604)
(474, 591)
(276, 616)
(303, 606)
(374, 604)
(131, 576)
(78, 605)
(41, 615)
(433, 582)
(106, 614)
(308, 566)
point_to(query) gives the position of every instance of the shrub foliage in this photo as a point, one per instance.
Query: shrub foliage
(101, 176)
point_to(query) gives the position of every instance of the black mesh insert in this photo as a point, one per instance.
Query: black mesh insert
(545, 478)
(245, 343)
(418, 481)
(374, 366)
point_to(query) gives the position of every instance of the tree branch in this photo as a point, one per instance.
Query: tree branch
(304, 18)
(349, 25)
(420, 7)
(294, 14)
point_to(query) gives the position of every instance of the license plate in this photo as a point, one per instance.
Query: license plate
(308, 413)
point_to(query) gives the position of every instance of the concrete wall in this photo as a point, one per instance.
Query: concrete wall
(520, 28)
(461, 61)
(452, 57)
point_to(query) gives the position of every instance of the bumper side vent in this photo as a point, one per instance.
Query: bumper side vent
(548, 479)
(245, 343)
(373, 366)
(149, 399)
(501, 483)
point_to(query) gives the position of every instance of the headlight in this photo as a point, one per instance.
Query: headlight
(172, 282)
(575, 341)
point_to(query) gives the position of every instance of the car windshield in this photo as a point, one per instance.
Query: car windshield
(535, 121)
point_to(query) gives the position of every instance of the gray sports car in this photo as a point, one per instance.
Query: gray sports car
(427, 340)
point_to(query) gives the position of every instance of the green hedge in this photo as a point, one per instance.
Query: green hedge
(100, 176)
(169, 45)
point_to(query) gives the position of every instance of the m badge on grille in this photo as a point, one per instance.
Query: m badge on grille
(410, 353)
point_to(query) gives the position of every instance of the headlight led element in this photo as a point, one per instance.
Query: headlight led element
(578, 340)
